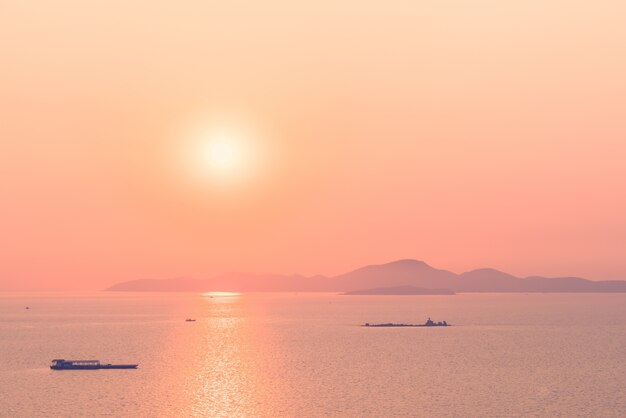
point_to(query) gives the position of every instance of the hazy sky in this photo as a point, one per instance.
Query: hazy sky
(464, 133)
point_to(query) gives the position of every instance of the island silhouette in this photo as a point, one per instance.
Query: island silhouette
(400, 290)
(413, 273)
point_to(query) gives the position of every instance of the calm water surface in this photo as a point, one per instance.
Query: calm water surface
(304, 355)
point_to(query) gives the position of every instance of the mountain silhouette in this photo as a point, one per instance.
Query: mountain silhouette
(230, 282)
(401, 290)
(397, 273)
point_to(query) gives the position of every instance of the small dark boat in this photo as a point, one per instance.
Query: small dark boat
(190, 320)
(429, 323)
(61, 364)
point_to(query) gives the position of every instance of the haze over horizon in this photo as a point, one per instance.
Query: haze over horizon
(158, 139)
(409, 276)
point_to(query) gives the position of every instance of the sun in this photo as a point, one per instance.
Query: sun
(223, 154)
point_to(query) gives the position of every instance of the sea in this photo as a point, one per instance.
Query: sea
(307, 355)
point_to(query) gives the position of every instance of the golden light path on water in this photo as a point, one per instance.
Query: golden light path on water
(220, 386)
(224, 374)
(221, 294)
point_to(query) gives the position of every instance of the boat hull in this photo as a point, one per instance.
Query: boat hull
(102, 366)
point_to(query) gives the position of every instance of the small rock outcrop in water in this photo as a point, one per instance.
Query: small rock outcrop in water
(401, 290)
(428, 323)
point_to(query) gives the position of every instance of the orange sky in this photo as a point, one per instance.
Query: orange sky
(464, 133)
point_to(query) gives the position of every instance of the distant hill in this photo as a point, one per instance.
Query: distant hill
(161, 285)
(401, 290)
(231, 282)
(398, 273)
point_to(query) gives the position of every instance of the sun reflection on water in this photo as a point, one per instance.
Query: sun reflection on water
(221, 294)
(221, 364)
(223, 379)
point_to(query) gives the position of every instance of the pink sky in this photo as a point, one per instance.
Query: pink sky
(466, 134)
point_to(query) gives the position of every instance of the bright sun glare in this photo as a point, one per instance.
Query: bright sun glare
(221, 155)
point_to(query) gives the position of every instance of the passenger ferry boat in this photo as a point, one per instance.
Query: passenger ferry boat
(62, 364)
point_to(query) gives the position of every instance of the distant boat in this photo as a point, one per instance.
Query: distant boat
(61, 364)
(190, 320)
(428, 323)
(28, 307)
